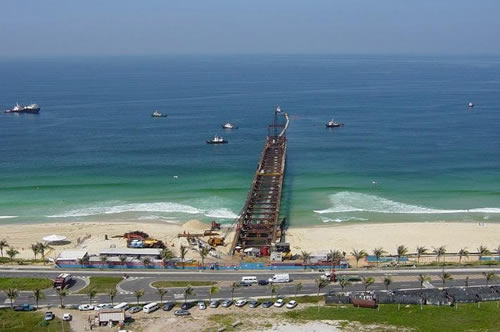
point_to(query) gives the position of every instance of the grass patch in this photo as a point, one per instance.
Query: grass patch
(15, 321)
(101, 284)
(23, 284)
(466, 317)
(166, 284)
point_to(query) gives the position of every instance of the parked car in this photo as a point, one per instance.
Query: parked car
(135, 309)
(279, 303)
(227, 303)
(49, 315)
(85, 307)
(253, 304)
(103, 306)
(67, 317)
(267, 304)
(182, 313)
(214, 304)
(291, 304)
(263, 282)
(202, 305)
(240, 303)
(168, 306)
(24, 307)
(188, 305)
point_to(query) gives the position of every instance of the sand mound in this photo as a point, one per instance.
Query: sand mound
(195, 226)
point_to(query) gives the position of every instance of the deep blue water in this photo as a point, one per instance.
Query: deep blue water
(411, 149)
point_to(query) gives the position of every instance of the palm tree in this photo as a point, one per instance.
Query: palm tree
(298, 288)
(162, 292)
(358, 255)
(3, 244)
(462, 253)
(146, 261)
(203, 254)
(273, 290)
(104, 260)
(422, 278)
(61, 293)
(334, 256)
(445, 276)
(12, 294)
(367, 282)
(123, 259)
(378, 252)
(188, 291)
(83, 261)
(167, 254)
(213, 290)
(466, 283)
(91, 293)
(35, 249)
(112, 293)
(490, 276)
(421, 250)
(12, 252)
(306, 256)
(387, 282)
(320, 284)
(233, 287)
(483, 251)
(38, 295)
(344, 283)
(42, 248)
(401, 252)
(183, 252)
(439, 252)
(138, 293)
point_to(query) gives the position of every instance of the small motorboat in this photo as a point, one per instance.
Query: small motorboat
(470, 105)
(334, 124)
(157, 114)
(229, 125)
(217, 140)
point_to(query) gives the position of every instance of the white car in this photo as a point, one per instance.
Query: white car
(202, 305)
(291, 304)
(279, 303)
(67, 317)
(103, 306)
(85, 307)
(240, 303)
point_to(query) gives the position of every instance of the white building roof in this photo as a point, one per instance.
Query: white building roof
(131, 251)
(72, 254)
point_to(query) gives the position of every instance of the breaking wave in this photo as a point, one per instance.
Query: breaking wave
(7, 217)
(347, 201)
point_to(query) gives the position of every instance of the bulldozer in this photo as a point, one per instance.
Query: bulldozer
(153, 243)
(216, 241)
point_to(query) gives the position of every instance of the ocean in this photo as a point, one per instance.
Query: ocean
(410, 150)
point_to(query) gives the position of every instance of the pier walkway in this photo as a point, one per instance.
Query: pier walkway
(258, 224)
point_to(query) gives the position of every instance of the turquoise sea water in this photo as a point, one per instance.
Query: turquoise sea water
(410, 150)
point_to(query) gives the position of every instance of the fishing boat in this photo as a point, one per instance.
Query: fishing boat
(229, 125)
(334, 124)
(33, 109)
(157, 114)
(470, 105)
(217, 140)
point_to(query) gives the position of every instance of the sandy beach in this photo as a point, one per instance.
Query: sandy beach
(313, 239)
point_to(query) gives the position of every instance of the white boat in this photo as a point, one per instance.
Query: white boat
(229, 125)
(33, 108)
(157, 114)
(333, 124)
(471, 104)
(217, 140)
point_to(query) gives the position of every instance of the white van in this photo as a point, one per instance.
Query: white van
(277, 278)
(123, 306)
(249, 280)
(148, 308)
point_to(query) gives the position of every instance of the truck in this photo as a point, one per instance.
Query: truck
(280, 278)
(62, 280)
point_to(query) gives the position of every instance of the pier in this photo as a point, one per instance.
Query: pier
(258, 225)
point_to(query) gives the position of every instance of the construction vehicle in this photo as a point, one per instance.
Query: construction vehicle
(135, 235)
(215, 226)
(216, 241)
(153, 243)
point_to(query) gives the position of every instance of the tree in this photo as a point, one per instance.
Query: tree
(203, 254)
(84, 260)
(483, 251)
(367, 282)
(3, 244)
(162, 292)
(123, 259)
(61, 293)
(439, 252)
(188, 291)
(387, 282)
(12, 252)
(401, 251)
(421, 250)
(378, 252)
(422, 278)
(138, 293)
(490, 276)
(343, 283)
(167, 254)
(445, 276)
(233, 287)
(358, 255)
(183, 252)
(38, 294)
(306, 256)
(334, 256)
(146, 261)
(466, 283)
(12, 294)
(298, 288)
(462, 253)
(35, 249)
(320, 284)
(42, 248)
(273, 289)
(104, 260)
(91, 293)
(213, 290)
(112, 293)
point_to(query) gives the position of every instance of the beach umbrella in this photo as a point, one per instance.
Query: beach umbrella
(54, 238)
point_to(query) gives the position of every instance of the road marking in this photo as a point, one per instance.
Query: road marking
(123, 291)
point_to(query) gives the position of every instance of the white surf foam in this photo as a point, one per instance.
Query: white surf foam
(8, 217)
(221, 213)
(356, 202)
(342, 219)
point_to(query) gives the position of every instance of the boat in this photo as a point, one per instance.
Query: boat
(229, 125)
(470, 104)
(334, 124)
(217, 140)
(157, 114)
(32, 108)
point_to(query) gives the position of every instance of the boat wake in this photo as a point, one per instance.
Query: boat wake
(347, 201)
